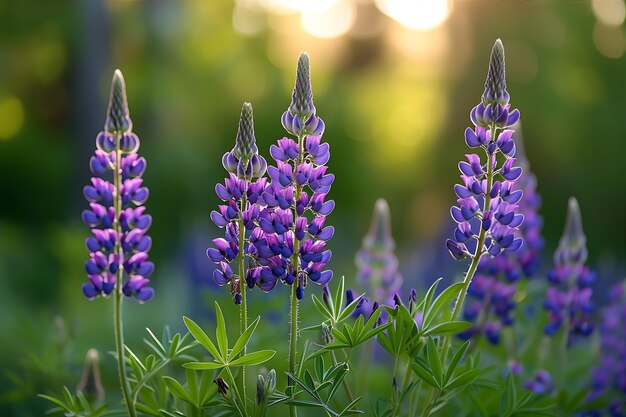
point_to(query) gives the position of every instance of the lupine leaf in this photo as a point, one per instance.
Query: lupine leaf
(429, 296)
(192, 385)
(465, 378)
(54, 400)
(441, 302)
(177, 389)
(203, 366)
(346, 312)
(220, 331)
(455, 360)
(321, 307)
(338, 302)
(157, 341)
(450, 327)
(434, 361)
(425, 374)
(201, 337)
(244, 338)
(253, 358)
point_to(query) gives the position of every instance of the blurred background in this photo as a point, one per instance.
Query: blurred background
(394, 80)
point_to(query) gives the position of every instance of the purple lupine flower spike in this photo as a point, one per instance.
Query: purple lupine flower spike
(488, 211)
(300, 117)
(495, 282)
(293, 221)
(241, 193)
(119, 242)
(608, 377)
(568, 300)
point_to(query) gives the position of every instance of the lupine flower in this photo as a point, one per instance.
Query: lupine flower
(541, 383)
(609, 378)
(487, 198)
(293, 222)
(377, 264)
(241, 194)
(568, 301)
(116, 214)
(495, 282)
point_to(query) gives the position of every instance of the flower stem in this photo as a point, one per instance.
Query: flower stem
(295, 261)
(118, 294)
(243, 308)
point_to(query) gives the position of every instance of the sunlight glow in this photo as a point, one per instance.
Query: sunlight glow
(331, 21)
(416, 14)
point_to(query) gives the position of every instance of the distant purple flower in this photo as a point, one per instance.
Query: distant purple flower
(377, 264)
(488, 203)
(541, 383)
(116, 214)
(241, 193)
(568, 301)
(293, 221)
(609, 377)
(496, 278)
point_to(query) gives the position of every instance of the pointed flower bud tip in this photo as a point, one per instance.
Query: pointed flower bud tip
(495, 86)
(573, 244)
(118, 118)
(379, 234)
(245, 145)
(300, 117)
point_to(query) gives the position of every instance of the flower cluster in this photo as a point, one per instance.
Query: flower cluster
(289, 243)
(610, 376)
(241, 193)
(116, 212)
(377, 264)
(487, 211)
(494, 285)
(568, 300)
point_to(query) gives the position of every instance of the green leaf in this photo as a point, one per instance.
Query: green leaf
(429, 296)
(253, 358)
(455, 360)
(203, 366)
(192, 386)
(177, 389)
(319, 368)
(158, 343)
(450, 327)
(241, 343)
(425, 375)
(201, 337)
(339, 295)
(321, 307)
(464, 379)
(174, 345)
(443, 301)
(434, 361)
(55, 401)
(220, 331)
(346, 312)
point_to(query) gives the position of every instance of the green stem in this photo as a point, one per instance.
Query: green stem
(243, 308)
(118, 294)
(240, 407)
(295, 261)
(431, 405)
(405, 384)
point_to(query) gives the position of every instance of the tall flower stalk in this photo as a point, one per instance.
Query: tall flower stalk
(487, 211)
(290, 242)
(239, 216)
(119, 224)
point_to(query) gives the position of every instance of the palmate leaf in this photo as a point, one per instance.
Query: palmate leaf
(441, 302)
(220, 332)
(253, 358)
(202, 337)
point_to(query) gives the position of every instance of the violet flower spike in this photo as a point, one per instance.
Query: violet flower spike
(241, 193)
(568, 300)
(119, 225)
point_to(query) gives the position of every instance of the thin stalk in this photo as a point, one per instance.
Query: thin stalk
(431, 405)
(295, 261)
(243, 308)
(484, 316)
(118, 294)
(240, 408)
(405, 384)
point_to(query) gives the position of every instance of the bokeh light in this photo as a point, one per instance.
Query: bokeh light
(609, 12)
(11, 116)
(328, 18)
(416, 14)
